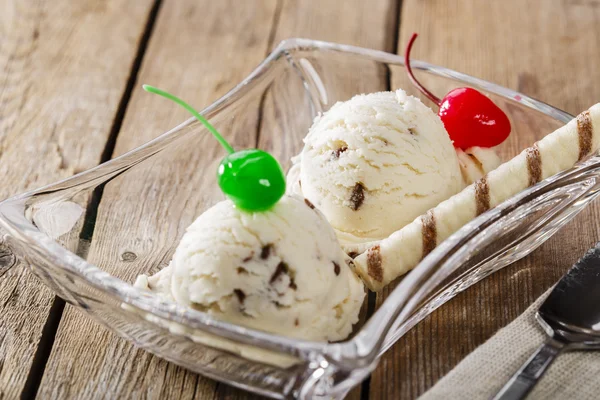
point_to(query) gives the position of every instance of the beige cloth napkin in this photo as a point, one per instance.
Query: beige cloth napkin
(574, 375)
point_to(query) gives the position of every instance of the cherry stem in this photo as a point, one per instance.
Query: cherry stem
(414, 80)
(195, 113)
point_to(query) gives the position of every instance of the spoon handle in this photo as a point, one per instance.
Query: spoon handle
(528, 375)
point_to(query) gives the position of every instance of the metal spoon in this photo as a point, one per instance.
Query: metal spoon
(571, 318)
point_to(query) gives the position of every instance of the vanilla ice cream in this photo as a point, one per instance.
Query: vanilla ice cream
(374, 163)
(280, 271)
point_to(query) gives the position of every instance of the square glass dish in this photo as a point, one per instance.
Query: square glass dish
(89, 236)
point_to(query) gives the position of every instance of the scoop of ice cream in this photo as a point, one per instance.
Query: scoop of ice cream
(281, 271)
(376, 162)
(475, 162)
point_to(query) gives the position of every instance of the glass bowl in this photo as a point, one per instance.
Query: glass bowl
(77, 235)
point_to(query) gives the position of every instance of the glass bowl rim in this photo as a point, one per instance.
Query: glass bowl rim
(14, 221)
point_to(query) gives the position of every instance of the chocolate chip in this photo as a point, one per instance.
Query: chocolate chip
(308, 203)
(336, 153)
(353, 254)
(240, 295)
(282, 268)
(358, 196)
(249, 257)
(374, 262)
(292, 284)
(241, 270)
(296, 322)
(336, 268)
(266, 251)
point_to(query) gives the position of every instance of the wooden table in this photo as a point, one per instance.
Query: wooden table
(70, 98)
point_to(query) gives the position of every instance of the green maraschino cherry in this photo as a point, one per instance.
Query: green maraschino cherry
(252, 178)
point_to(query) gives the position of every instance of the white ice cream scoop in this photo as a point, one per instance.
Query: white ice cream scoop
(374, 163)
(280, 271)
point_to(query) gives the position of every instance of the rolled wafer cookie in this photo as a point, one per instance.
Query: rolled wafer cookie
(392, 257)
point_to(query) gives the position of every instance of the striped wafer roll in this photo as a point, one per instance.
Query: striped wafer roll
(403, 250)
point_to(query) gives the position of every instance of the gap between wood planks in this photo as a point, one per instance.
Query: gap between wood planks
(42, 354)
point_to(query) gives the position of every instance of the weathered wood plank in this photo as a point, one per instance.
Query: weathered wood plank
(63, 69)
(199, 50)
(533, 51)
(358, 23)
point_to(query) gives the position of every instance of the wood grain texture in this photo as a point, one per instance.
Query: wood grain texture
(63, 69)
(547, 51)
(199, 50)
(368, 24)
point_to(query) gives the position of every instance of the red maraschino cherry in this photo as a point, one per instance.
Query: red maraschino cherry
(470, 118)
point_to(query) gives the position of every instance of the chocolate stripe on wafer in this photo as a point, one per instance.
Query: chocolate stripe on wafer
(585, 133)
(429, 232)
(534, 164)
(374, 263)
(482, 196)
